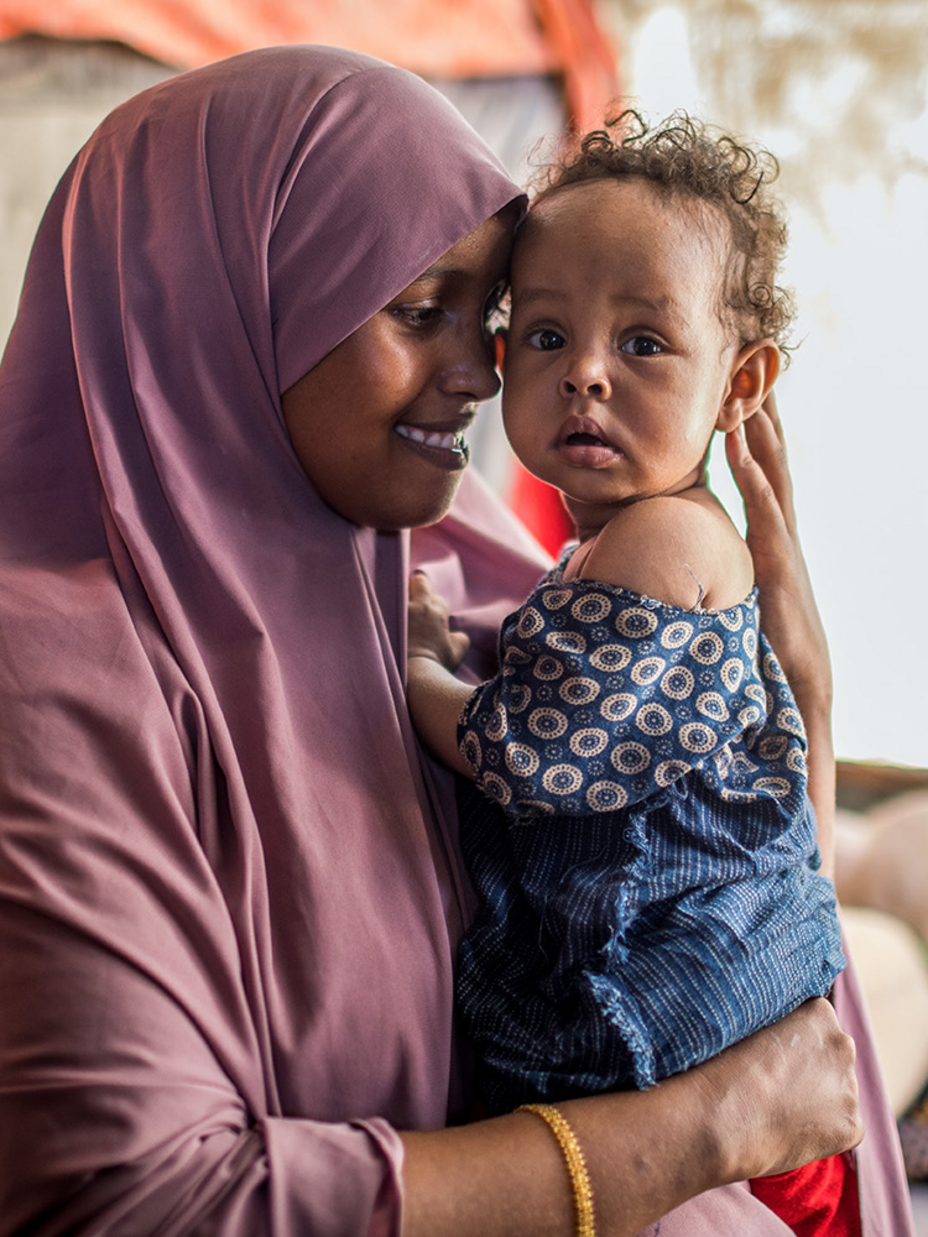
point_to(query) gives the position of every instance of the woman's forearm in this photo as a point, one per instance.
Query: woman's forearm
(780, 1098)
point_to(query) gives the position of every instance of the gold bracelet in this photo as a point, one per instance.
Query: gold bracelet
(576, 1165)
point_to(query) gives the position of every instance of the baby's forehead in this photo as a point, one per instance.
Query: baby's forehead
(628, 213)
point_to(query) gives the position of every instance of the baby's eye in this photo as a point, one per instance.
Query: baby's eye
(642, 345)
(546, 340)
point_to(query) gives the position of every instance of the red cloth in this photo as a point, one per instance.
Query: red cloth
(819, 1200)
(541, 509)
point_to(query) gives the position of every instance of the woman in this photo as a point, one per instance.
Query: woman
(229, 892)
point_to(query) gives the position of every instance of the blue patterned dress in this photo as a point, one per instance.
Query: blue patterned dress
(644, 845)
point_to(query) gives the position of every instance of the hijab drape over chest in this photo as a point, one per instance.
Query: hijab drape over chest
(226, 913)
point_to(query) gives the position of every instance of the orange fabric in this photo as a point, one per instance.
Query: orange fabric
(450, 38)
(437, 38)
(584, 53)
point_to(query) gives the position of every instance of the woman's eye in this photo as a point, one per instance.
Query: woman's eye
(642, 345)
(546, 340)
(417, 315)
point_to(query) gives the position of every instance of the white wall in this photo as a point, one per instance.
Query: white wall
(855, 399)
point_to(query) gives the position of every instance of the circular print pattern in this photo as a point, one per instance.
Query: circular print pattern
(579, 690)
(520, 697)
(516, 656)
(562, 779)
(796, 760)
(755, 692)
(790, 720)
(588, 742)
(750, 715)
(606, 797)
(697, 737)
(749, 641)
(618, 707)
(496, 788)
(732, 619)
(547, 668)
(521, 759)
(555, 598)
(779, 787)
(497, 725)
(636, 622)
(773, 669)
(611, 657)
(645, 672)
(675, 635)
(547, 723)
(471, 750)
(630, 757)
(707, 648)
(530, 623)
(653, 719)
(566, 641)
(591, 608)
(678, 683)
(732, 673)
(713, 706)
(772, 746)
(670, 771)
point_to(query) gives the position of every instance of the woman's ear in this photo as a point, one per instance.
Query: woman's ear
(500, 340)
(753, 372)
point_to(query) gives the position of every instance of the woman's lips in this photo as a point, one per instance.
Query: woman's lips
(446, 448)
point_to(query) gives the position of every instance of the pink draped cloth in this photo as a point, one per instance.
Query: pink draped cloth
(230, 892)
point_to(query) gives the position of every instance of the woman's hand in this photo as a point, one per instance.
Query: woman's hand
(782, 1097)
(429, 632)
(790, 1092)
(789, 615)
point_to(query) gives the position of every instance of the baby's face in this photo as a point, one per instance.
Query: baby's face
(617, 362)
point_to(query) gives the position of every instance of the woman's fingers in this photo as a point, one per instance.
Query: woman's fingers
(763, 444)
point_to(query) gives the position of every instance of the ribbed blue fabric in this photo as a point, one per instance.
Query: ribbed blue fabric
(644, 845)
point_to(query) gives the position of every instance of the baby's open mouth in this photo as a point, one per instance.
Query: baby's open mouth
(586, 440)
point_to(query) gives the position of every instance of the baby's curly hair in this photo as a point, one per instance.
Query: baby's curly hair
(687, 159)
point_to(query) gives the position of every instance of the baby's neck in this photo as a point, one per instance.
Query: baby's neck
(590, 519)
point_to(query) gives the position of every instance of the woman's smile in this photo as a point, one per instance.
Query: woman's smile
(442, 444)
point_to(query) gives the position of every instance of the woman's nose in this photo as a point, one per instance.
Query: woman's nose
(472, 370)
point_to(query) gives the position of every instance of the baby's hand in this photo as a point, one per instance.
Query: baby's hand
(429, 633)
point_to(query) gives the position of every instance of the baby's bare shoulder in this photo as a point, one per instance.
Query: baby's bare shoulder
(677, 549)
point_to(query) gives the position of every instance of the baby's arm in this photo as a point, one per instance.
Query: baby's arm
(674, 549)
(434, 652)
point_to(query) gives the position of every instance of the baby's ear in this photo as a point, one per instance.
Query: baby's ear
(753, 372)
(500, 341)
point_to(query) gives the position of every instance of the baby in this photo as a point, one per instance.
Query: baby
(644, 844)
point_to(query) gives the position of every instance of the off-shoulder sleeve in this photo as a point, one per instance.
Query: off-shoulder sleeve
(605, 697)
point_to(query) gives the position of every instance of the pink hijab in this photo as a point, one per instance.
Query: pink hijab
(229, 886)
(228, 895)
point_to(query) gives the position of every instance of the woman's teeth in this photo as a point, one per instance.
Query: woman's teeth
(447, 442)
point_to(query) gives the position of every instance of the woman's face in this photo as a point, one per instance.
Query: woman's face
(378, 424)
